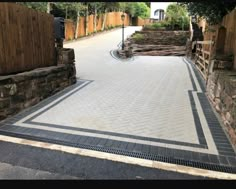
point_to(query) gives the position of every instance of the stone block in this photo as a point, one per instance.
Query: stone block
(4, 92)
(12, 110)
(5, 80)
(218, 105)
(41, 80)
(233, 111)
(64, 84)
(12, 88)
(34, 85)
(3, 115)
(218, 90)
(228, 101)
(230, 87)
(51, 77)
(68, 55)
(4, 103)
(214, 76)
(23, 86)
(233, 125)
(19, 98)
(72, 80)
(29, 93)
(19, 78)
(61, 74)
(229, 118)
(31, 102)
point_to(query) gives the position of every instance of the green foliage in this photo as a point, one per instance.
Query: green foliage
(158, 25)
(135, 9)
(70, 10)
(148, 4)
(141, 10)
(212, 11)
(137, 36)
(177, 15)
(40, 6)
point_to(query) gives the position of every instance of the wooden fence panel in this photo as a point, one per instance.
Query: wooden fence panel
(26, 39)
(90, 24)
(203, 57)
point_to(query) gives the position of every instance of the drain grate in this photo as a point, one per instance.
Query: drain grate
(153, 157)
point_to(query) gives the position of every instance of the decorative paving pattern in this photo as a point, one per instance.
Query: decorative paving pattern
(161, 114)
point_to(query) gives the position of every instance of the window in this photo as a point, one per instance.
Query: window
(159, 13)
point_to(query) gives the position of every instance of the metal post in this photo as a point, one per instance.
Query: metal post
(123, 45)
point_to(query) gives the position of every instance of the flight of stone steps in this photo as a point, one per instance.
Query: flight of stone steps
(156, 43)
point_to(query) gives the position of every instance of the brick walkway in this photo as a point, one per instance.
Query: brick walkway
(150, 107)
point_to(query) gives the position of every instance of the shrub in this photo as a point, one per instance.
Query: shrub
(137, 36)
(157, 25)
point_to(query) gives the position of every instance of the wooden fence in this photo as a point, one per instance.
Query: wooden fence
(225, 41)
(26, 39)
(203, 57)
(142, 22)
(112, 19)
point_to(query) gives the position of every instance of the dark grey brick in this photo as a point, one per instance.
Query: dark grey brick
(130, 146)
(102, 142)
(95, 141)
(116, 144)
(123, 145)
(225, 153)
(170, 153)
(214, 159)
(162, 151)
(137, 148)
(223, 160)
(232, 161)
(179, 154)
(82, 139)
(228, 149)
(89, 140)
(195, 156)
(109, 143)
(145, 148)
(154, 150)
(204, 158)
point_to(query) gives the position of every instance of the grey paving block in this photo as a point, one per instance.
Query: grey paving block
(223, 160)
(232, 161)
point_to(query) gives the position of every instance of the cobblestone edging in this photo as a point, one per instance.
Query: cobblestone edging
(26, 89)
(221, 89)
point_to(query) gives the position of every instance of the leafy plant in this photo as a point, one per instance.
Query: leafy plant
(158, 25)
(177, 16)
(137, 36)
(212, 11)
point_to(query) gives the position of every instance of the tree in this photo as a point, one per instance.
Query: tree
(40, 6)
(141, 10)
(148, 4)
(95, 6)
(79, 8)
(107, 6)
(212, 11)
(177, 15)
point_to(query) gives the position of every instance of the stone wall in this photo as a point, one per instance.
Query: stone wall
(20, 91)
(221, 89)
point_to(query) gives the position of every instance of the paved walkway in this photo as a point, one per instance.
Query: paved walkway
(152, 108)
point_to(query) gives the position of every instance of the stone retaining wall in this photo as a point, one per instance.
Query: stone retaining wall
(221, 89)
(26, 89)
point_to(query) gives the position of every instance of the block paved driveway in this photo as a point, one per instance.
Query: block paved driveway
(147, 107)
